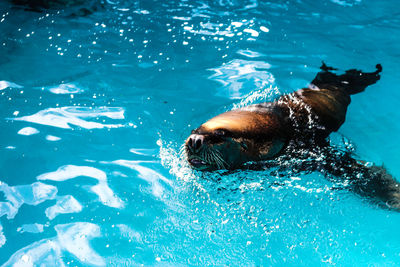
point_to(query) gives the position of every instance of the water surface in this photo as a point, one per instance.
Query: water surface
(94, 110)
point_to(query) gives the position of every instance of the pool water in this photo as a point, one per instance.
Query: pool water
(95, 108)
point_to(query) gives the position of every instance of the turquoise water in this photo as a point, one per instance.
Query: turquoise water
(94, 111)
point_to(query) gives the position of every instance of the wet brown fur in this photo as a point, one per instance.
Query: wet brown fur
(307, 116)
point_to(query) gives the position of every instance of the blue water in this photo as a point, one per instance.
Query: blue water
(94, 110)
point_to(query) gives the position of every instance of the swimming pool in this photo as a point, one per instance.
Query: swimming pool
(94, 110)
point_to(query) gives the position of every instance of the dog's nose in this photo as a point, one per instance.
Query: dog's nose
(195, 141)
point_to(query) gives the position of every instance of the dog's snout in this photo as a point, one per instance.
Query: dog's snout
(195, 141)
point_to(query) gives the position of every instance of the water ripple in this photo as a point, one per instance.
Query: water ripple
(66, 88)
(146, 174)
(129, 233)
(46, 252)
(249, 53)
(240, 76)
(52, 138)
(65, 116)
(102, 190)
(73, 238)
(346, 3)
(16, 196)
(6, 84)
(2, 237)
(28, 131)
(65, 204)
(33, 228)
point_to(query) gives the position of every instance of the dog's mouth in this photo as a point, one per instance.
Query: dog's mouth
(197, 163)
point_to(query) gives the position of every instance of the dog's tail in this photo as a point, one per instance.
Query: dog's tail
(353, 81)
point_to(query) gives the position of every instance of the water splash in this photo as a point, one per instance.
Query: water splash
(174, 159)
(257, 96)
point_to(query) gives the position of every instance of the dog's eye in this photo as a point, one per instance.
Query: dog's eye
(218, 136)
(222, 133)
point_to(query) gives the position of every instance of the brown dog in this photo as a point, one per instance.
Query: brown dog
(300, 120)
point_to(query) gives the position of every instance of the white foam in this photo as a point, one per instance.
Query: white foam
(6, 84)
(66, 116)
(28, 131)
(16, 196)
(2, 237)
(66, 88)
(146, 174)
(52, 138)
(31, 228)
(64, 205)
(73, 238)
(102, 190)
